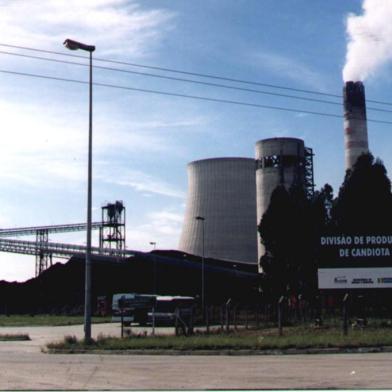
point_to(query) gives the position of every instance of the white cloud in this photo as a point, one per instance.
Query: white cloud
(16, 267)
(115, 26)
(140, 137)
(141, 182)
(28, 129)
(163, 227)
(302, 115)
(290, 68)
(150, 136)
(44, 138)
(39, 149)
(4, 221)
(44, 149)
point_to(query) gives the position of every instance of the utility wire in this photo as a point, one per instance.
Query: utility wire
(249, 104)
(189, 73)
(189, 81)
(177, 79)
(169, 70)
(225, 86)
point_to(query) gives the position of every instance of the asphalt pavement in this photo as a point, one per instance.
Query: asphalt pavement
(24, 366)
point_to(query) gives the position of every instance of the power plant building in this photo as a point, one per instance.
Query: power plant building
(227, 198)
(281, 161)
(355, 123)
(222, 193)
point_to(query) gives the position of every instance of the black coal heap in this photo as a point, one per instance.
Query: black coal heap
(60, 289)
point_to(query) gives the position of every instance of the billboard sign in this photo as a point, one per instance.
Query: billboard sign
(355, 262)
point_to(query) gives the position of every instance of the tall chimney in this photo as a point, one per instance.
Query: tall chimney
(355, 126)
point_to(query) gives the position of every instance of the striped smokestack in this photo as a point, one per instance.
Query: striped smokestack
(355, 126)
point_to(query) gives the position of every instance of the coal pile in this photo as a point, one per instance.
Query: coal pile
(60, 289)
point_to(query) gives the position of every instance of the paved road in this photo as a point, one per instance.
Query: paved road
(24, 366)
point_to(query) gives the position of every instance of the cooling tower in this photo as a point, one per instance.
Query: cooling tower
(355, 126)
(280, 161)
(223, 192)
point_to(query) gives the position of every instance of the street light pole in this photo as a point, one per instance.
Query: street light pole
(74, 45)
(202, 219)
(153, 243)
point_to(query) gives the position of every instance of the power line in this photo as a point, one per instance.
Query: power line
(218, 77)
(177, 79)
(190, 81)
(232, 102)
(170, 70)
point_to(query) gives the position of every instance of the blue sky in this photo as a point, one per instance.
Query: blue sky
(143, 142)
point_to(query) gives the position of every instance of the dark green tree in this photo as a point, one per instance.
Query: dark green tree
(290, 230)
(276, 231)
(291, 227)
(364, 203)
(323, 202)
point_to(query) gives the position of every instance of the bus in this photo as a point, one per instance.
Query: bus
(133, 308)
(165, 308)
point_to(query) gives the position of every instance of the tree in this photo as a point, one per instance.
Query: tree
(364, 204)
(291, 227)
(275, 231)
(289, 231)
(323, 202)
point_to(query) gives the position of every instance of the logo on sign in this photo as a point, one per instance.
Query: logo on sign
(362, 281)
(384, 280)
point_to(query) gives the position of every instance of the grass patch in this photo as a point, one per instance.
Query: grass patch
(14, 337)
(46, 320)
(294, 337)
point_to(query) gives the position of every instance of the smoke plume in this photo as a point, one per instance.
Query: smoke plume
(369, 40)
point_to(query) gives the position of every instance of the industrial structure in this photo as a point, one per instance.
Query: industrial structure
(222, 191)
(56, 249)
(232, 194)
(114, 269)
(355, 123)
(111, 238)
(39, 248)
(112, 229)
(281, 161)
(226, 199)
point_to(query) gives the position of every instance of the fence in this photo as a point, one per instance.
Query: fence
(346, 311)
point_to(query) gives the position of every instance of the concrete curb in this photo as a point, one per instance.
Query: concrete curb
(290, 351)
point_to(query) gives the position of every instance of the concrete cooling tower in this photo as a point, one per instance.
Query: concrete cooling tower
(355, 124)
(223, 192)
(280, 161)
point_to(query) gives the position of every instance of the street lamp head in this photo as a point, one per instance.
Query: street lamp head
(75, 45)
(201, 218)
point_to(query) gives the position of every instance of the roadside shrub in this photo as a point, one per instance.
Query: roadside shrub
(70, 339)
(14, 337)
